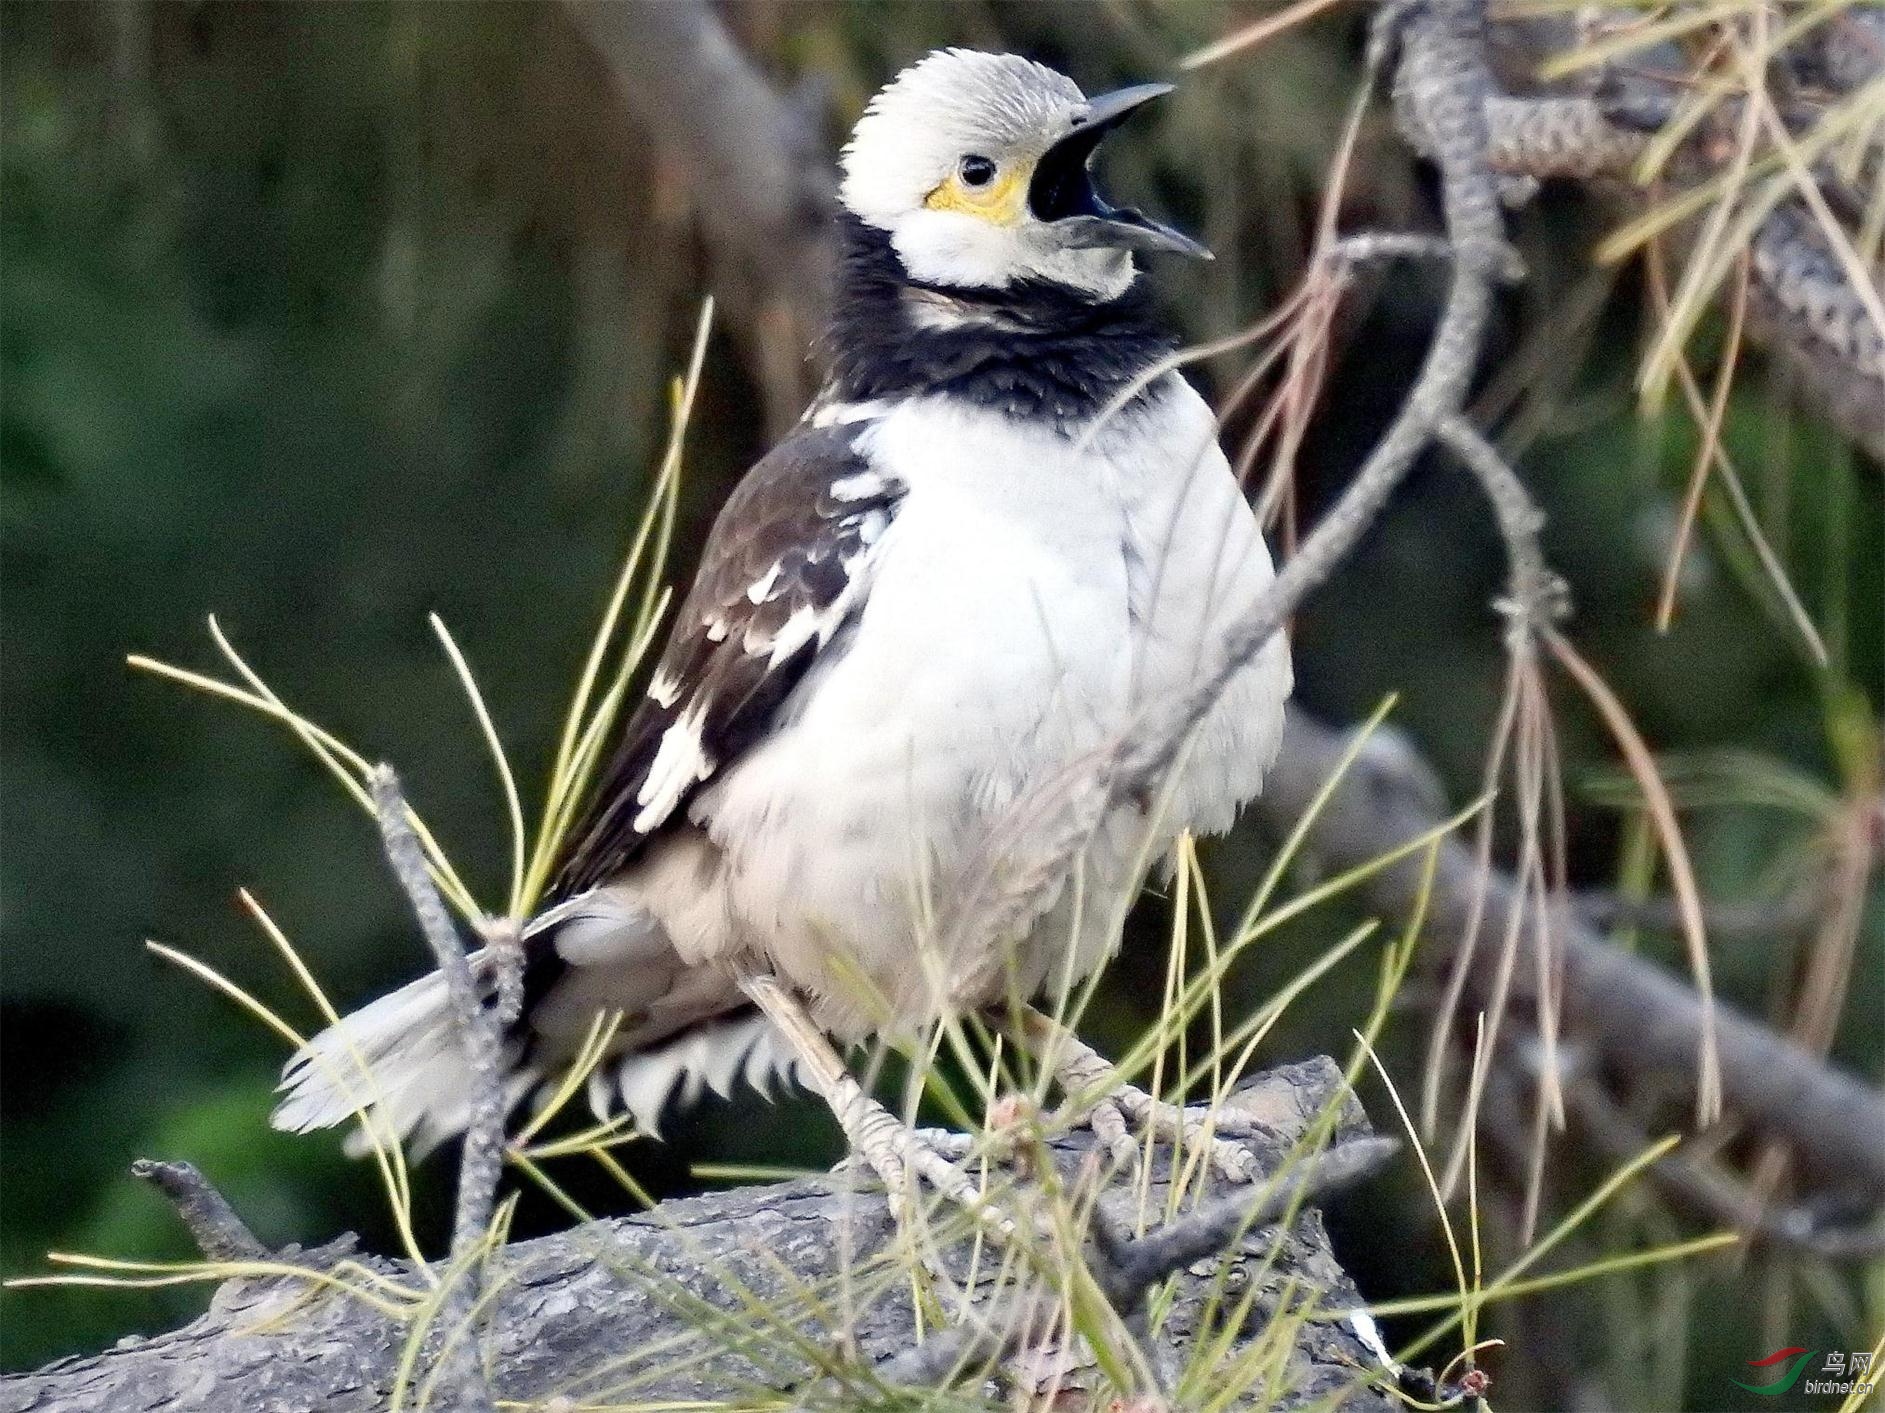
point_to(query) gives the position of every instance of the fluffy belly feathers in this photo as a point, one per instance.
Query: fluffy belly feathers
(1029, 596)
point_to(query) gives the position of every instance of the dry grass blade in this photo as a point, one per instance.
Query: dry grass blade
(1710, 448)
(1631, 38)
(1713, 453)
(1307, 339)
(1254, 34)
(1466, 1288)
(1506, 1288)
(1712, 244)
(513, 804)
(1538, 873)
(584, 728)
(1734, 158)
(1861, 1394)
(384, 1144)
(365, 1288)
(344, 763)
(1466, 949)
(1662, 815)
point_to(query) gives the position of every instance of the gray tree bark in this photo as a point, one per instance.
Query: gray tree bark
(705, 1299)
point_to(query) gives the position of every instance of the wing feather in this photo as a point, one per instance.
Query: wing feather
(786, 564)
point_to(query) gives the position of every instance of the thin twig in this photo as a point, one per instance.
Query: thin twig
(1535, 598)
(1443, 72)
(1537, 604)
(1537, 595)
(478, 1028)
(977, 1341)
(1132, 1268)
(1443, 79)
(213, 1224)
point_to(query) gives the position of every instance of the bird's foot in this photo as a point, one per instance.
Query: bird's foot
(903, 1157)
(1114, 1109)
(1125, 1116)
(899, 1155)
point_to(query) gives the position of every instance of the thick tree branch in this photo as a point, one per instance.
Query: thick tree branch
(1128, 1268)
(1640, 1020)
(755, 169)
(1133, 1267)
(736, 1295)
(484, 1137)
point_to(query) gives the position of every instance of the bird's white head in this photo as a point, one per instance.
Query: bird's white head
(976, 166)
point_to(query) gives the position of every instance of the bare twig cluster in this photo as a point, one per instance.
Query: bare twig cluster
(1819, 312)
(1636, 1019)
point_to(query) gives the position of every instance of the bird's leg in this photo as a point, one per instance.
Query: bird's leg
(1114, 1107)
(895, 1153)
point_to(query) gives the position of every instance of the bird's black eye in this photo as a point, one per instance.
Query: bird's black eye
(976, 171)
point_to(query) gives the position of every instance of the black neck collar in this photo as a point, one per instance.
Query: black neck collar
(1035, 350)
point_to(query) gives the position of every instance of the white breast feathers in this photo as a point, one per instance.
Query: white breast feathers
(1033, 593)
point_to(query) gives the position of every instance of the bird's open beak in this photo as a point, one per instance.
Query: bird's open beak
(1062, 193)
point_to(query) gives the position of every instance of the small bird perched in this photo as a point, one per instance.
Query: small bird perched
(1002, 530)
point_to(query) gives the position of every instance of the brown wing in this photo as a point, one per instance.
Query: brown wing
(785, 565)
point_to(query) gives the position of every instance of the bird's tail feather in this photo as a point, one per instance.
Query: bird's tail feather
(709, 1055)
(398, 1067)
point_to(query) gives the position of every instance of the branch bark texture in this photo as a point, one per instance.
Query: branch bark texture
(1639, 1018)
(1804, 307)
(704, 1299)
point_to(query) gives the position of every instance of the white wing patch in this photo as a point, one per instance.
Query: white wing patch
(862, 486)
(664, 688)
(761, 590)
(793, 634)
(680, 763)
(786, 564)
(836, 414)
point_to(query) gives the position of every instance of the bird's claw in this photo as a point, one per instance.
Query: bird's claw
(902, 1158)
(1114, 1118)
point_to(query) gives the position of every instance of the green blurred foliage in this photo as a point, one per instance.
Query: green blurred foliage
(324, 317)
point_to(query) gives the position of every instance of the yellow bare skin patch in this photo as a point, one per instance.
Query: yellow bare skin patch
(1001, 202)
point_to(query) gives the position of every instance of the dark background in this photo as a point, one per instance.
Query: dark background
(323, 317)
